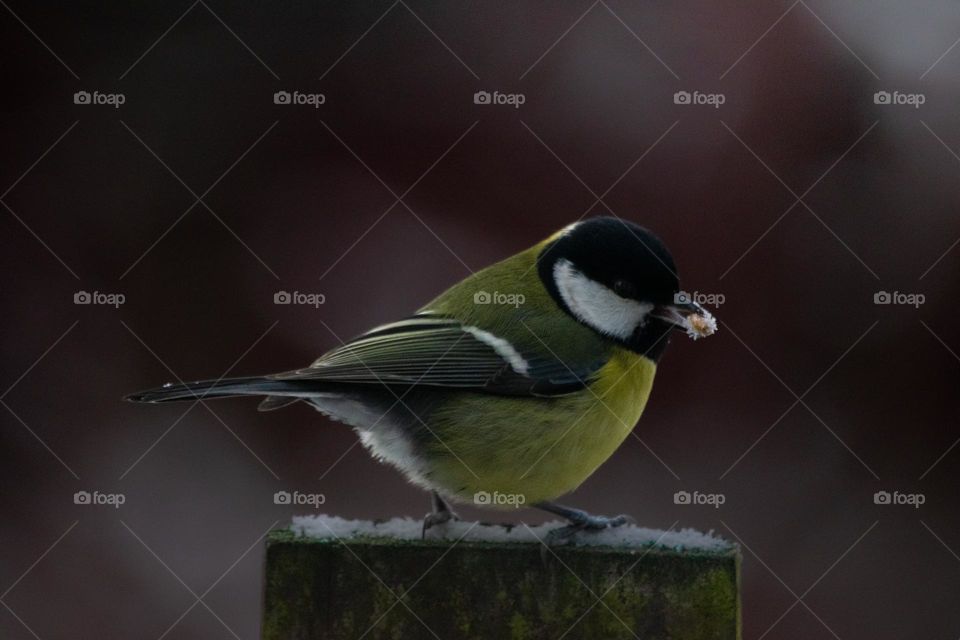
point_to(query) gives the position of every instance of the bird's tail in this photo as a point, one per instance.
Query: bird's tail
(250, 386)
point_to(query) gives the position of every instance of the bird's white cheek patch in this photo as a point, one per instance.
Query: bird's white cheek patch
(596, 305)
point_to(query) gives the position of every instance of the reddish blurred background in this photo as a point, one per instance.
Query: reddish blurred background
(809, 400)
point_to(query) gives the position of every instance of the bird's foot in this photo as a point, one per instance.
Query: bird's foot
(441, 514)
(579, 521)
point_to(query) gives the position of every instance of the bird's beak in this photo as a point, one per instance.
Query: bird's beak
(689, 316)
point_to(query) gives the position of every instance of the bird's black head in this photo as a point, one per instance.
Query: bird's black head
(618, 279)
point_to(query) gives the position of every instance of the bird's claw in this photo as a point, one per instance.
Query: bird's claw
(583, 521)
(437, 518)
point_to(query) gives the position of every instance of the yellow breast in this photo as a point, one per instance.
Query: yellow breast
(538, 448)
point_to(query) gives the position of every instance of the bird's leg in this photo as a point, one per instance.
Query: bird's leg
(579, 521)
(440, 514)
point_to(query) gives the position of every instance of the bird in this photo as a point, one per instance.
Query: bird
(512, 386)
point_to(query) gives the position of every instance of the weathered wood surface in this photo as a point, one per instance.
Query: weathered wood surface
(336, 589)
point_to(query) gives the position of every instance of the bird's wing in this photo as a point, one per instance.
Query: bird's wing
(444, 352)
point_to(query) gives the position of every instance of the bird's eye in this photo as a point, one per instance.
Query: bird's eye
(624, 288)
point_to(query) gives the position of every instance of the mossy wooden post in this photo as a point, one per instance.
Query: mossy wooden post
(339, 589)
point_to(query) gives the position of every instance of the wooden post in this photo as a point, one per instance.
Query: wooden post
(362, 585)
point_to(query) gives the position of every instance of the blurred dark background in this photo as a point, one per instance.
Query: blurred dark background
(104, 199)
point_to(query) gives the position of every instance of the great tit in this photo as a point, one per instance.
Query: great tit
(513, 385)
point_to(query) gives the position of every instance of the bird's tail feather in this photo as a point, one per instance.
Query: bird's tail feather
(250, 386)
